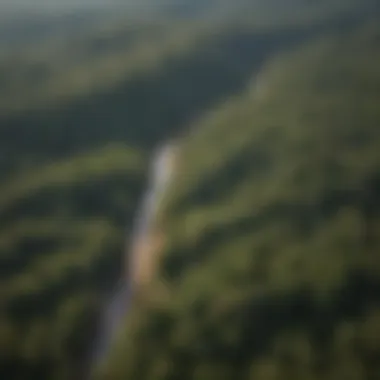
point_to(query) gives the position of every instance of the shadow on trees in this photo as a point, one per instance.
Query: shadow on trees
(150, 107)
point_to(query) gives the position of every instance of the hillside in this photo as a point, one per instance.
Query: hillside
(271, 269)
(81, 110)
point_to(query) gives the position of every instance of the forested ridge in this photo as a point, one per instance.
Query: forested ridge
(270, 269)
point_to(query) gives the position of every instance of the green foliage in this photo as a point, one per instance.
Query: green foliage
(271, 264)
(255, 213)
(60, 246)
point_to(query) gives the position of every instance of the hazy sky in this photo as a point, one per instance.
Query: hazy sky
(59, 3)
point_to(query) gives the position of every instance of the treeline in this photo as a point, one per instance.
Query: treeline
(143, 94)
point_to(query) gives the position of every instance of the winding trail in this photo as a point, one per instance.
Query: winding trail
(139, 256)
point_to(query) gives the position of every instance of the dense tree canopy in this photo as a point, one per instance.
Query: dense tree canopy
(271, 269)
(271, 225)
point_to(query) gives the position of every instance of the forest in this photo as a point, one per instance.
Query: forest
(271, 267)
